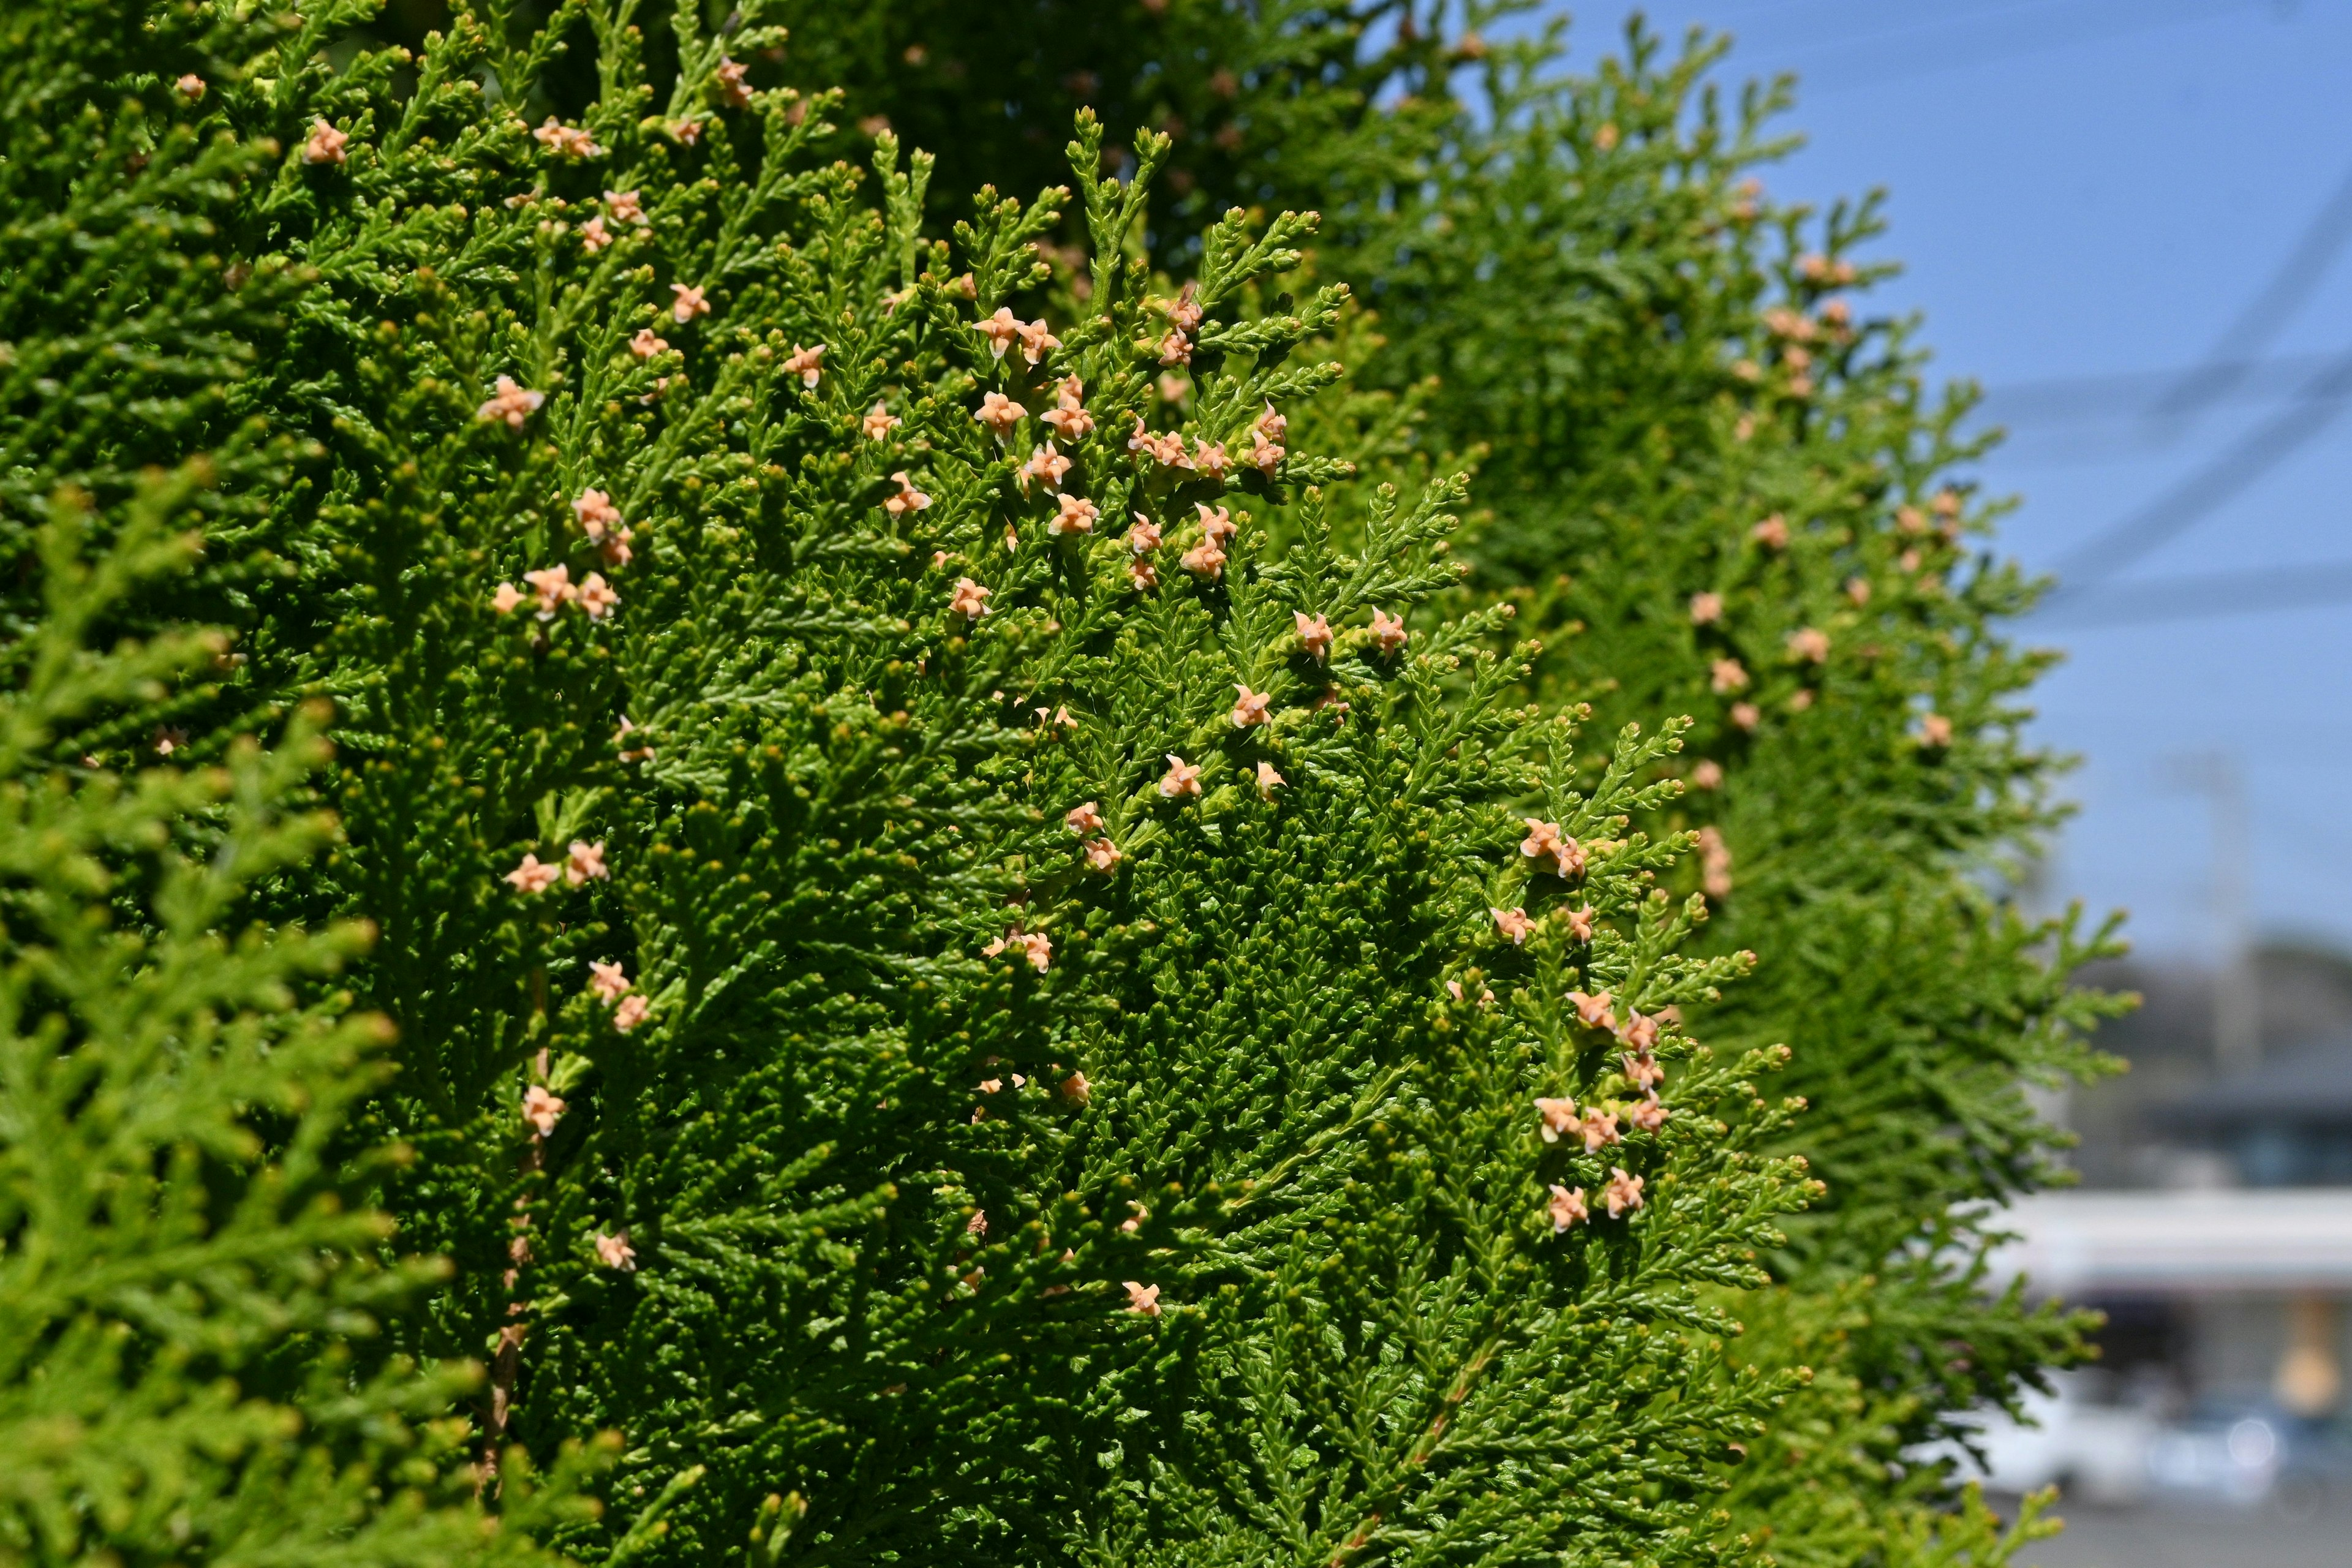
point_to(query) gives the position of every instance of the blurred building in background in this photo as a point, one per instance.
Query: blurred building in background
(2213, 1227)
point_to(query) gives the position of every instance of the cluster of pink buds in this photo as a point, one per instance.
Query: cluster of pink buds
(612, 986)
(1142, 541)
(878, 422)
(1076, 514)
(1182, 781)
(731, 85)
(1714, 862)
(1313, 636)
(1249, 707)
(326, 144)
(1003, 330)
(1266, 435)
(1046, 464)
(687, 303)
(1566, 1207)
(566, 141)
(908, 498)
(542, 1110)
(807, 363)
(1167, 449)
(511, 403)
(970, 599)
(1821, 269)
(1772, 533)
(600, 519)
(1069, 417)
(1514, 923)
(1622, 1193)
(1183, 320)
(1033, 945)
(1388, 631)
(999, 414)
(1545, 838)
(583, 863)
(1206, 559)
(626, 207)
(1594, 1011)
(554, 587)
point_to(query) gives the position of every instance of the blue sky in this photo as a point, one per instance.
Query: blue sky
(2086, 195)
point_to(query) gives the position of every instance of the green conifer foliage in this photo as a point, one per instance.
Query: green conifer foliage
(968, 978)
(1718, 484)
(186, 1301)
(191, 1285)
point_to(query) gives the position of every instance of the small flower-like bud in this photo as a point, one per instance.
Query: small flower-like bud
(326, 144)
(999, 414)
(970, 599)
(511, 403)
(808, 363)
(597, 596)
(1622, 1193)
(1076, 515)
(542, 1110)
(585, 862)
(1183, 779)
(1314, 634)
(1566, 1207)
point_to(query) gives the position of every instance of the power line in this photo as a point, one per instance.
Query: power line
(2200, 597)
(2130, 394)
(2211, 487)
(1954, 55)
(2253, 329)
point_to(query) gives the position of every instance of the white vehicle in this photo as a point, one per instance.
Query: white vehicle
(2092, 1453)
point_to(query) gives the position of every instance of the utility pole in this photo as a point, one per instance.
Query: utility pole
(2237, 1007)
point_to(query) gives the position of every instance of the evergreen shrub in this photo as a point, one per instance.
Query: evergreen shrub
(1715, 483)
(985, 961)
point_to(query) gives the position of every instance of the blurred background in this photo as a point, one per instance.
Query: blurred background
(2131, 222)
